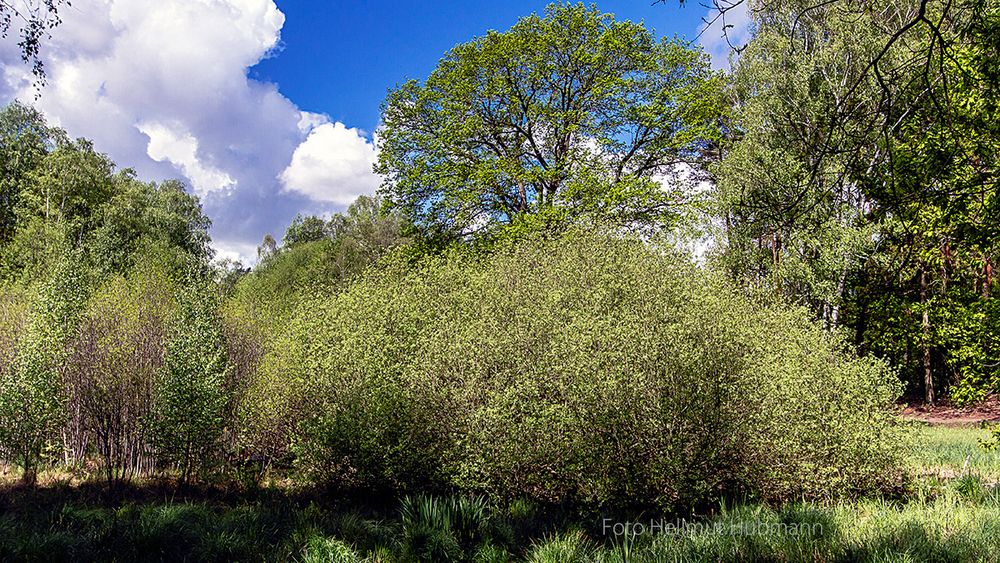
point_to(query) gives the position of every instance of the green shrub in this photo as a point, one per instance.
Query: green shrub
(31, 394)
(109, 375)
(582, 369)
(189, 393)
(817, 422)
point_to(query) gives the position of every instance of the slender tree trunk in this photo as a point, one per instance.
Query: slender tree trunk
(926, 344)
(945, 266)
(861, 324)
(841, 288)
(988, 277)
(776, 261)
(30, 475)
(775, 250)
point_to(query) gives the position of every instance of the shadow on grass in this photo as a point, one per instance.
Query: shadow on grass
(159, 522)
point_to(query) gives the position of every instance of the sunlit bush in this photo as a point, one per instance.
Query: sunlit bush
(109, 376)
(583, 369)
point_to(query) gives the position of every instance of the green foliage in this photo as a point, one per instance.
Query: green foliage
(77, 371)
(31, 397)
(139, 215)
(860, 174)
(115, 357)
(822, 423)
(572, 547)
(57, 195)
(993, 442)
(13, 317)
(24, 142)
(583, 369)
(304, 229)
(318, 256)
(262, 303)
(72, 526)
(572, 110)
(795, 218)
(189, 392)
(953, 520)
(328, 550)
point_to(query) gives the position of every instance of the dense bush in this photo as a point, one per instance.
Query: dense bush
(109, 376)
(583, 369)
(32, 409)
(190, 399)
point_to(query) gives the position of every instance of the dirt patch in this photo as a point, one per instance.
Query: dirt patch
(944, 414)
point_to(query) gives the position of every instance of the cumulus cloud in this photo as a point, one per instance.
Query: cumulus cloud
(333, 165)
(309, 121)
(727, 25)
(181, 149)
(162, 87)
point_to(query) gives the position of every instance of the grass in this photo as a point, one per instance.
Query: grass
(951, 514)
(943, 451)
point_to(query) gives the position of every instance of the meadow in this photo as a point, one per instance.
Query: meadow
(949, 512)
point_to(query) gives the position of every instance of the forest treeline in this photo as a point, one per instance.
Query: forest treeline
(509, 315)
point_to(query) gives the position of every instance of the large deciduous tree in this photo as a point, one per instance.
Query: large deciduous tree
(564, 114)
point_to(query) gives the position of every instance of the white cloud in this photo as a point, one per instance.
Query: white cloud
(333, 165)
(162, 87)
(239, 251)
(731, 26)
(309, 121)
(181, 149)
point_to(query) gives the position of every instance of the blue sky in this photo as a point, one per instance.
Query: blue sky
(264, 109)
(339, 58)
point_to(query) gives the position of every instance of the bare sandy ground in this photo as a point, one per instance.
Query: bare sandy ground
(947, 415)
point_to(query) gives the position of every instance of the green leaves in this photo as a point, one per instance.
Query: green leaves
(24, 139)
(571, 110)
(858, 167)
(58, 195)
(577, 368)
(189, 394)
(31, 394)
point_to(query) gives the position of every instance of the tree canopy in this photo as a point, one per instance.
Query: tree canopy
(566, 114)
(859, 183)
(58, 194)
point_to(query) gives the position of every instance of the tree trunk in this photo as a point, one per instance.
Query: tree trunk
(775, 250)
(30, 476)
(926, 344)
(841, 288)
(987, 277)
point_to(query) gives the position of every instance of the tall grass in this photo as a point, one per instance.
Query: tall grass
(949, 451)
(952, 526)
